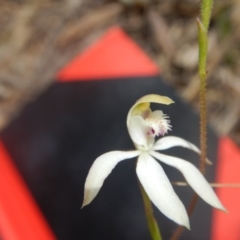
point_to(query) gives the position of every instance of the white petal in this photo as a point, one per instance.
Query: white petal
(138, 130)
(100, 169)
(160, 190)
(194, 178)
(172, 141)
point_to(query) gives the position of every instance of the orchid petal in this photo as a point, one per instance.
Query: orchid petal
(143, 104)
(100, 169)
(160, 190)
(138, 130)
(194, 178)
(172, 141)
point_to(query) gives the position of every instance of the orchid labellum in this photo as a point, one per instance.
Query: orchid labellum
(144, 125)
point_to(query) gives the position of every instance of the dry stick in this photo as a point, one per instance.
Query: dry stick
(216, 185)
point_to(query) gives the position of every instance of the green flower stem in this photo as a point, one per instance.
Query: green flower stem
(152, 224)
(203, 25)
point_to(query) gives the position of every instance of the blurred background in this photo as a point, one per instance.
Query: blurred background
(37, 38)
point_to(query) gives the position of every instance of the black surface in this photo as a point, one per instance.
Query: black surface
(56, 139)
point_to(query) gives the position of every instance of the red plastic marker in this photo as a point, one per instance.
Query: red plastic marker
(20, 217)
(115, 55)
(226, 225)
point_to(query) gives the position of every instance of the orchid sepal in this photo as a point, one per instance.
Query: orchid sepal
(100, 170)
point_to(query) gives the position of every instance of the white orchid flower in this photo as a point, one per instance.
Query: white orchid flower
(143, 126)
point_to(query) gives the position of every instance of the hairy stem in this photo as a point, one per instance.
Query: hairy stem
(203, 25)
